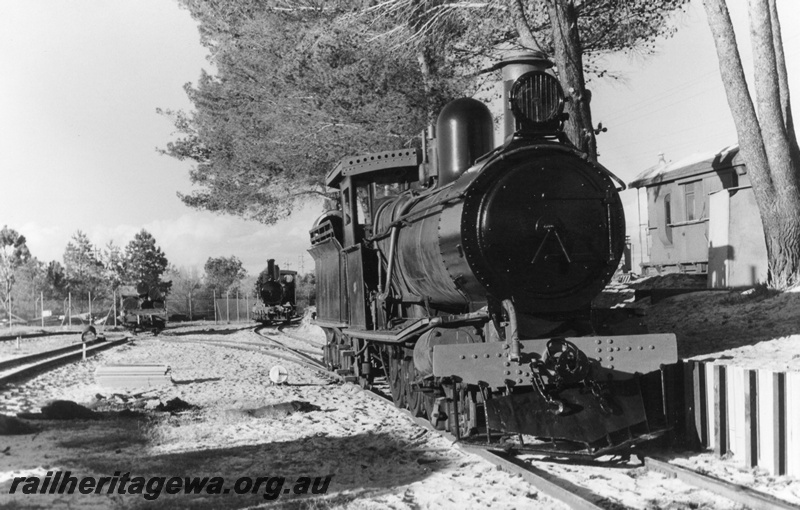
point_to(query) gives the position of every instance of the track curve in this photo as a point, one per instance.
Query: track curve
(23, 367)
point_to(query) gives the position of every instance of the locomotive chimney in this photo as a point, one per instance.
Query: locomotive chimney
(515, 65)
(271, 269)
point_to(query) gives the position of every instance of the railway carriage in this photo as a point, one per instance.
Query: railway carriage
(465, 274)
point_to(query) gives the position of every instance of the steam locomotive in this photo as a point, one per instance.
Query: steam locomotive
(143, 311)
(466, 273)
(275, 288)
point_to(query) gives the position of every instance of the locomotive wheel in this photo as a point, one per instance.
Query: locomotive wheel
(330, 353)
(462, 423)
(415, 399)
(430, 407)
(394, 374)
(401, 373)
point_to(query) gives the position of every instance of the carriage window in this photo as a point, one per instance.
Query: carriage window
(691, 192)
(667, 210)
(668, 217)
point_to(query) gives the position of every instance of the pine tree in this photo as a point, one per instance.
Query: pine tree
(83, 268)
(146, 262)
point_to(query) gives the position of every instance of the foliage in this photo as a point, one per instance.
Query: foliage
(186, 285)
(13, 253)
(306, 290)
(223, 274)
(145, 262)
(114, 265)
(483, 31)
(247, 287)
(29, 280)
(295, 90)
(767, 138)
(82, 266)
(55, 281)
(300, 83)
(576, 33)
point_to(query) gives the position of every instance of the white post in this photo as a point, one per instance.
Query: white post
(214, 304)
(247, 307)
(41, 294)
(228, 307)
(90, 307)
(69, 309)
(237, 305)
(114, 304)
(84, 351)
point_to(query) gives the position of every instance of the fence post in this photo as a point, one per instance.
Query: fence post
(90, 307)
(214, 304)
(114, 297)
(228, 307)
(69, 309)
(247, 307)
(237, 306)
(41, 297)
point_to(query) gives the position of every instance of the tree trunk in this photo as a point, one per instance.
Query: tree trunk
(783, 80)
(569, 61)
(426, 69)
(773, 172)
(526, 37)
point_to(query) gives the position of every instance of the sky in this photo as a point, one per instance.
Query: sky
(80, 81)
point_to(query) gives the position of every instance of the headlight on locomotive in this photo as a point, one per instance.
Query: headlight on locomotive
(537, 101)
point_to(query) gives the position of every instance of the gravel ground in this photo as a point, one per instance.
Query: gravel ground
(375, 455)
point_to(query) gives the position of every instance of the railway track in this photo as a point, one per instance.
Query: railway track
(38, 334)
(23, 367)
(557, 487)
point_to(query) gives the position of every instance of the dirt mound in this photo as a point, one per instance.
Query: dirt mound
(10, 426)
(62, 410)
(709, 322)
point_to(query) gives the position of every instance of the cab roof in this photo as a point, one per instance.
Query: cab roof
(388, 166)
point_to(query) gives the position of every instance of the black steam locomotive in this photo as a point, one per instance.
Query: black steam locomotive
(466, 274)
(143, 311)
(275, 288)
